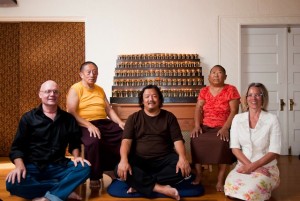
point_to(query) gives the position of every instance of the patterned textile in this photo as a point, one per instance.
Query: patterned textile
(31, 53)
(216, 108)
(9, 84)
(254, 186)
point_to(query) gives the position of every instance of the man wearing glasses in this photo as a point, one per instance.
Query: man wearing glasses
(42, 172)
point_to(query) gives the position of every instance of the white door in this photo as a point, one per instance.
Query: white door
(294, 90)
(266, 58)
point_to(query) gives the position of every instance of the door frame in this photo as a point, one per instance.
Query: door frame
(230, 50)
(42, 19)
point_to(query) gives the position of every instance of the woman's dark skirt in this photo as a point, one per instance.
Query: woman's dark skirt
(208, 148)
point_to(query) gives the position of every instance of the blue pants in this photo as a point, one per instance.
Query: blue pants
(55, 182)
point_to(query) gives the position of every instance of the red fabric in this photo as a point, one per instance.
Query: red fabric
(216, 109)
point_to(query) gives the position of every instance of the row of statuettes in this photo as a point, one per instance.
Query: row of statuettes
(151, 72)
(160, 64)
(157, 56)
(159, 82)
(166, 93)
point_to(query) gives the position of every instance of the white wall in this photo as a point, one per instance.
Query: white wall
(116, 27)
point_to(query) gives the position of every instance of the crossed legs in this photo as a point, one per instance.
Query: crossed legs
(56, 182)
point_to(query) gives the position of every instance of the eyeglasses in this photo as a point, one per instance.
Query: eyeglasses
(254, 95)
(55, 92)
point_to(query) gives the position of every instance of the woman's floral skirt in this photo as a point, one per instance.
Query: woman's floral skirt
(254, 186)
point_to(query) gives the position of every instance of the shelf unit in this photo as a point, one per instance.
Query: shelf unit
(178, 75)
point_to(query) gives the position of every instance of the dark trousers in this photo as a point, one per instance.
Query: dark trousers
(148, 172)
(55, 182)
(104, 153)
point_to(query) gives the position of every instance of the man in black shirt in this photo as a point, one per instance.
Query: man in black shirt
(152, 150)
(42, 172)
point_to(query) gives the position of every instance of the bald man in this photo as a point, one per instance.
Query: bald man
(42, 172)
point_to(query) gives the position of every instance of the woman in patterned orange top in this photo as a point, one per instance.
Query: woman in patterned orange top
(216, 106)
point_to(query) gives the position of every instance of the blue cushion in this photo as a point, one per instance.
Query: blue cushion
(185, 189)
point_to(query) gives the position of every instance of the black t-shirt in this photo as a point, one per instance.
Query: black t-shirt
(153, 137)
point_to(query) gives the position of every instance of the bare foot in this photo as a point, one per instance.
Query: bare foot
(131, 190)
(167, 190)
(75, 196)
(111, 174)
(197, 180)
(40, 199)
(220, 187)
(221, 177)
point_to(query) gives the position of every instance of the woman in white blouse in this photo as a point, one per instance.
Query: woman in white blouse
(256, 142)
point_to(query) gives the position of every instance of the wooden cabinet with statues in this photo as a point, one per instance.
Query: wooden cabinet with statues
(178, 75)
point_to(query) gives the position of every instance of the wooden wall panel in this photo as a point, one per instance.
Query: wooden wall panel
(35, 52)
(9, 84)
(49, 51)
